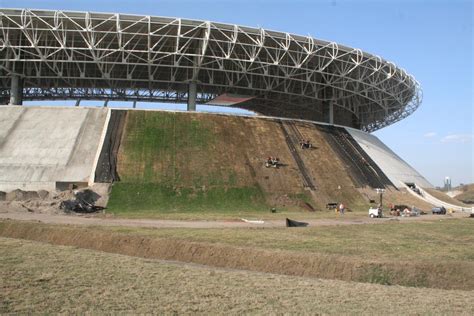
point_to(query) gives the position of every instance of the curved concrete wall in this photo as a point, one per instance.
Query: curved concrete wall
(396, 169)
(40, 146)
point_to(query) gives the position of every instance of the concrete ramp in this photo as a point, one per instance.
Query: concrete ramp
(425, 196)
(41, 146)
(394, 167)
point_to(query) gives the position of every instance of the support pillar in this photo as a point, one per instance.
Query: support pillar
(331, 112)
(78, 102)
(16, 91)
(106, 103)
(192, 95)
(134, 104)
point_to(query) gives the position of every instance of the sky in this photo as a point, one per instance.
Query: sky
(432, 40)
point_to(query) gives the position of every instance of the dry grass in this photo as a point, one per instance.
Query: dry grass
(40, 278)
(181, 164)
(437, 254)
(446, 198)
(441, 239)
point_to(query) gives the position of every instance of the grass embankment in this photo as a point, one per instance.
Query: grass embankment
(434, 254)
(467, 195)
(41, 278)
(438, 240)
(446, 198)
(166, 167)
(157, 200)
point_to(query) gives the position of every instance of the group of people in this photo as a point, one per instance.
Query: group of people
(275, 161)
(272, 162)
(305, 144)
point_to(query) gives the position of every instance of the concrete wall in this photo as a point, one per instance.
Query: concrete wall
(396, 169)
(42, 145)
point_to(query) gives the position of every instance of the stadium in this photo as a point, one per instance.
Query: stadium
(300, 89)
(258, 188)
(47, 55)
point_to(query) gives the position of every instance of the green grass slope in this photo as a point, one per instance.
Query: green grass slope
(168, 163)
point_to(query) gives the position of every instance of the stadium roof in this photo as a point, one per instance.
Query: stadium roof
(83, 55)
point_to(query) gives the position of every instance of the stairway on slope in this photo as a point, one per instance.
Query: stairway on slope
(382, 177)
(292, 137)
(363, 170)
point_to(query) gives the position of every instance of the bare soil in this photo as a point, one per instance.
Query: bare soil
(21, 214)
(44, 202)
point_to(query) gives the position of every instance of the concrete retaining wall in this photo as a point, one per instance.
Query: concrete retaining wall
(42, 145)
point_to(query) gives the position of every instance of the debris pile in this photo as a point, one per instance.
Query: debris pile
(54, 202)
(83, 202)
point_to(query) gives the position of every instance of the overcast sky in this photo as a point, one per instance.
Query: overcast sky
(432, 40)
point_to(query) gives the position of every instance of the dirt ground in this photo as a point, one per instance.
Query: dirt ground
(41, 278)
(99, 220)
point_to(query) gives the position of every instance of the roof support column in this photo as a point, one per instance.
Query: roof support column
(16, 91)
(331, 112)
(192, 95)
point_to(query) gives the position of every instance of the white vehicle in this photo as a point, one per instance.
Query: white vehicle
(375, 212)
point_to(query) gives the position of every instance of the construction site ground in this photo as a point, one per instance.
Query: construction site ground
(213, 220)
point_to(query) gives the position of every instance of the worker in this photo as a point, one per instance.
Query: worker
(342, 208)
(272, 162)
(305, 144)
(268, 163)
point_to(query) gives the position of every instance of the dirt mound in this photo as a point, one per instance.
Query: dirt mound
(50, 202)
(20, 195)
(426, 274)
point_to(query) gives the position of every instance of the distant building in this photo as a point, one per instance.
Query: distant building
(447, 184)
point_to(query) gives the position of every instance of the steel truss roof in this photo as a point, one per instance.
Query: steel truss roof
(62, 55)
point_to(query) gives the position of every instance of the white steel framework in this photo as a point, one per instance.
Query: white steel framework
(82, 55)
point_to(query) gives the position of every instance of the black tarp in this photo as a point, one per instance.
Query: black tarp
(292, 223)
(106, 171)
(83, 202)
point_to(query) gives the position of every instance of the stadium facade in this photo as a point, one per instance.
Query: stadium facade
(46, 55)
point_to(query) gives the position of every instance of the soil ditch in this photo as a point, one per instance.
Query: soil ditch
(444, 275)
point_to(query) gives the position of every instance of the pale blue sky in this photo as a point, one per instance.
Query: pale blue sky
(432, 40)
